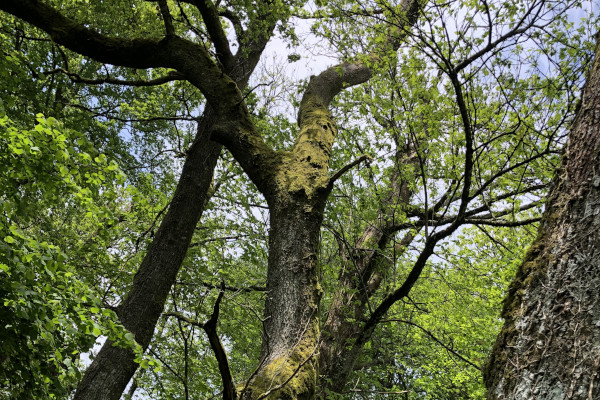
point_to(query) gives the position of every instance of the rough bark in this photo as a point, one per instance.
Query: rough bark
(296, 196)
(549, 346)
(288, 368)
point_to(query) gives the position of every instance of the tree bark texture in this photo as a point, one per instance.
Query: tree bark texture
(296, 194)
(549, 347)
(288, 367)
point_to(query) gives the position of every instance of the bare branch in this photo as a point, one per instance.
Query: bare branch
(74, 77)
(346, 168)
(518, 29)
(166, 16)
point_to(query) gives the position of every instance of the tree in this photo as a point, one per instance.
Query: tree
(454, 138)
(548, 347)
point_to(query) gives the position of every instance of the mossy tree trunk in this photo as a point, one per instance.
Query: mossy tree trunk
(549, 347)
(288, 367)
(296, 184)
(297, 190)
(296, 193)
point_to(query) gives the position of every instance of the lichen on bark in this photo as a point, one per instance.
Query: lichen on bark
(289, 375)
(305, 167)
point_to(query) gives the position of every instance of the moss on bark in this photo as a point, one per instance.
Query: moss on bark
(288, 376)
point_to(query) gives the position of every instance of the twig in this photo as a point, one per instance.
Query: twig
(347, 167)
(210, 327)
(435, 339)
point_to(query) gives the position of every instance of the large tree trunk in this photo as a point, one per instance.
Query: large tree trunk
(549, 347)
(297, 194)
(111, 370)
(288, 367)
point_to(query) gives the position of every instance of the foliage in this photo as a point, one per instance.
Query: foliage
(49, 316)
(75, 228)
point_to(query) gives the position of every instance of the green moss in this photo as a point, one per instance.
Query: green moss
(290, 376)
(306, 167)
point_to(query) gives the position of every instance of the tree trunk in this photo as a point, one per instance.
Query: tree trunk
(297, 196)
(288, 367)
(111, 370)
(549, 347)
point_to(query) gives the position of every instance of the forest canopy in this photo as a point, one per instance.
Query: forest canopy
(273, 199)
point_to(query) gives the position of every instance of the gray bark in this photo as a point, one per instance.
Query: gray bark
(549, 347)
(288, 368)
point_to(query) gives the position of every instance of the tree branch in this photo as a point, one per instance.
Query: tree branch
(233, 128)
(235, 21)
(210, 327)
(346, 168)
(475, 221)
(435, 339)
(210, 15)
(183, 318)
(74, 77)
(216, 239)
(166, 16)
(191, 59)
(518, 29)
(324, 87)
(251, 288)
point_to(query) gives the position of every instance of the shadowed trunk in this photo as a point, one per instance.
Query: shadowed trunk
(549, 347)
(111, 370)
